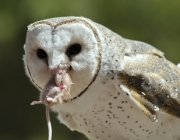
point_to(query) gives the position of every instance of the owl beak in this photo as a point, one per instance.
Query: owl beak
(59, 76)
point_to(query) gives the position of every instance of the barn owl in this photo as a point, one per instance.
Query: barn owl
(101, 84)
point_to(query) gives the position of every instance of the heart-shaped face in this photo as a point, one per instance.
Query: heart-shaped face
(60, 53)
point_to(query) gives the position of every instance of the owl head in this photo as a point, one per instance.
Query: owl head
(62, 56)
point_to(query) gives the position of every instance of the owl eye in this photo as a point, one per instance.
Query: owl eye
(41, 54)
(74, 49)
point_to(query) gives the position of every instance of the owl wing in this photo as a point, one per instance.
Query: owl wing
(151, 82)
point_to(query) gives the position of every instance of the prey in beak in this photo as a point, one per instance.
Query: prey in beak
(57, 90)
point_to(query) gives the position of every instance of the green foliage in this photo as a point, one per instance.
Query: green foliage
(156, 22)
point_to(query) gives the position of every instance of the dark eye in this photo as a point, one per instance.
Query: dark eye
(74, 49)
(41, 54)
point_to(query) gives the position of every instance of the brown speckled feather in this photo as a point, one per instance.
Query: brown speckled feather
(154, 83)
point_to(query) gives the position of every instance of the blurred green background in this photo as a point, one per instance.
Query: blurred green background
(156, 22)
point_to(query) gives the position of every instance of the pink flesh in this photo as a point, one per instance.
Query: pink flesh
(63, 84)
(61, 87)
